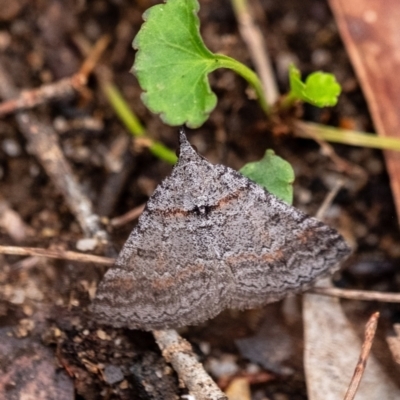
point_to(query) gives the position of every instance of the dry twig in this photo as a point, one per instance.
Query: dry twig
(356, 294)
(63, 89)
(127, 217)
(58, 254)
(179, 353)
(119, 163)
(329, 199)
(253, 37)
(370, 330)
(363, 295)
(393, 340)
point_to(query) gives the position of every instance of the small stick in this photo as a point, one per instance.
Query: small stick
(178, 352)
(119, 163)
(27, 99)
(329, 199)
(127, 217)
(393, 341)
(362, 295)
(94, 55)
(254, 40)
(58, 254)
(370, 329)
(63, 89)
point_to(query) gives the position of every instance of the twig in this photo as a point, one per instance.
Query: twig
(393, 341)
(362, 295)
(179, 353)
(119, 163)
(27, 99)
(129, 216)
(43, 143)
(93, 56)
(25, 264)
(63, 89)
(252, 36)
(58, 254)
(329, 199)
(370, 330)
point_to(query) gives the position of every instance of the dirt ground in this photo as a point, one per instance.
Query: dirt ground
(49, 343)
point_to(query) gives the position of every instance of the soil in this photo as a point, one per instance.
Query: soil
(44, 303)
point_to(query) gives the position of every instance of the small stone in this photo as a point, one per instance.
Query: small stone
(223, 367)
(101, 334)
(88, 244)
(11, 147)
(24, 327)
(113, 374)
(124, 384)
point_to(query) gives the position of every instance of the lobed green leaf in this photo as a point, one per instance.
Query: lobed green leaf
(172, 64)
(320, 89)
(273, 173)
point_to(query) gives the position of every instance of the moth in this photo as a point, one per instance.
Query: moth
(209, 239)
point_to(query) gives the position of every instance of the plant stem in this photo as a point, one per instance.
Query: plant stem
(349, 137)
(246, 73)
(288, 101)
(122, 109)
(163, 152)
(133, 124)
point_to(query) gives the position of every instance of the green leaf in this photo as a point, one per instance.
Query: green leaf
(172, 64)
(320, 89)
(272, 173)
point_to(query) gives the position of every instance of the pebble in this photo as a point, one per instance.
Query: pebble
(11, 147)
(113, 374)
(225, 366)
(88, 244)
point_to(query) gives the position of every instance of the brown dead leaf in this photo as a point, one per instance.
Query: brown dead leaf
(370, 31)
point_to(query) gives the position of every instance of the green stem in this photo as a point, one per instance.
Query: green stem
(246, 73)
(133, 124)
(288, 101)
(240, 6)
(349, 137)
(122, 109)
(163, 152)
